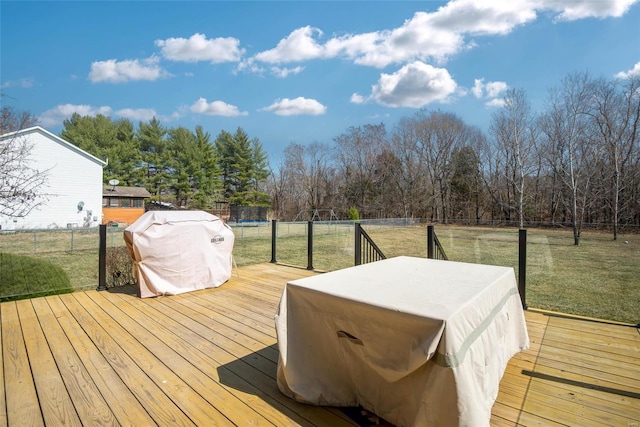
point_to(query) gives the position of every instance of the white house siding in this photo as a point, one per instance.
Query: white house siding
(73, 176)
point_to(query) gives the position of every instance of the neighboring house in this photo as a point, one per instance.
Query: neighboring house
(123, 205)
(73, 185)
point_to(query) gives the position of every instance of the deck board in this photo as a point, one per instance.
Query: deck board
(20, 389)
(115, 393)
(54, 395)
(3, 402)
(119, 351)
(210, 358)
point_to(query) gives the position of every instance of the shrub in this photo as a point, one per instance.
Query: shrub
(353, 214)
(119, 267)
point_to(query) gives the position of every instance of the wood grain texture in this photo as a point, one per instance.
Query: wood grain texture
(127, 409)
(210, 357)
(23, 407)
(53, 397)
(3, 402)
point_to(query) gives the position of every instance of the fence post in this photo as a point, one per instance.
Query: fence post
(102, 259)
(310, 246)
(430, 242)
(72, 240)
(358, 244)
(522, 266)
(274, 234)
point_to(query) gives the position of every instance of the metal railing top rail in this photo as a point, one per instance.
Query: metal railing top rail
(365, 248)
(440, 254)
(434, 247)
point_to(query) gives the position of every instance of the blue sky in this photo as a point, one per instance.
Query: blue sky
(302, 71)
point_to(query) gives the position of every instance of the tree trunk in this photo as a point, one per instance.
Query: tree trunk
(574, 218)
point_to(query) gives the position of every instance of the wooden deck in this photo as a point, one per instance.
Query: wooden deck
(209, 358)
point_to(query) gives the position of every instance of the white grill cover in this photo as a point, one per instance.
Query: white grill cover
(179, 251)
(419, 342)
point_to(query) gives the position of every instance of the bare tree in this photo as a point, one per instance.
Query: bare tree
(466, 183)
(12, 120)
(305, 180)
(316, 173)
(616, 112)
(22, 187)
(277, 189)
(411, 180)
(356, 155)
(515, 134)
(439, 134)
(567, 127)
(285, 190)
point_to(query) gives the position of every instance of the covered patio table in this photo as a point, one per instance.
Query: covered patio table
(419, 342)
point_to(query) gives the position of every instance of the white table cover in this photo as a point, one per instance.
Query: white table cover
(418, 342)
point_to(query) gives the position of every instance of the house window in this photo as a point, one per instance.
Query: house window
(137, 203)
(113, 202)
(105, 202)
(125, 203)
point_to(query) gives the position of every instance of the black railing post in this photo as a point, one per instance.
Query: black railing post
(522, 266)
(102, 259)
(430, 242)
(358, 244)
(274, 234)
(310, 246)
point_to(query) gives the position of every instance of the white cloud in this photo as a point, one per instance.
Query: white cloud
(297, 46)
(216, 108)
(249, 65)
(199, 48)
(572, 10)
(495, 102)
(490, 90)
(357, 99)
(137, 114)
(296, 107)
(478, 88)
(434, 36)
(414, 85)
(635, 71)
(285, 72)
(26, 83)
(495, 89)
(482, 17)
(58, 114)
(114, 71)
(441, 34)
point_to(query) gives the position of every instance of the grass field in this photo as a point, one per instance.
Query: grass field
(600, 278)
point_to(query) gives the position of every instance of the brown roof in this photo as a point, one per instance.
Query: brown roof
(120, 191)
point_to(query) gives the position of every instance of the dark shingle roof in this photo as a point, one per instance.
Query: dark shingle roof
(119, 191)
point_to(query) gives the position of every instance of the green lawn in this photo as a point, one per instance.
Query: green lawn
(600, 278)
(22, 275)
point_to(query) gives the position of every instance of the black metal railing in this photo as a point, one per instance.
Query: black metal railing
(522, 266)
(366, 251)
(365, 248)
(434, 248)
